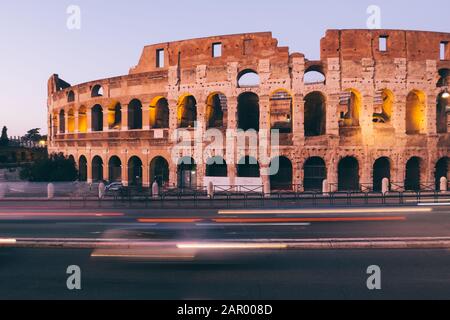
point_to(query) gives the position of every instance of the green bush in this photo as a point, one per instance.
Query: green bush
(56, 168)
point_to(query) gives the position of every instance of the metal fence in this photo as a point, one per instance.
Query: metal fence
(87, 195)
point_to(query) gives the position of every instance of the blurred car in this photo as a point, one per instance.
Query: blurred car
(114, 187)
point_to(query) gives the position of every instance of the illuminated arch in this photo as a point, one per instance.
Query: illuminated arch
(159, 113)
(71, 121)
(281, 106)
(187, 111)
(216, 104)
(115, 116)
(415, 112)
(82, 120)
(353, 106)
(385, 105)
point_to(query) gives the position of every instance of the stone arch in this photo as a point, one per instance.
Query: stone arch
(97, 169)
(314, 74)
(187, 173)
(281, 106)
(159, 113)
(71, 96)
(135, 173)
(248, 111)
(97, 118)
(384, 106)
(442, 112)
(115, 116)
(135, 115)
(315, 114)
(97, 91)
(82, 120)
(348, 174)
(382, 168)
(216, 167)
(71, 121)
(415, 112)
(159, 171)
(442, 169)
(216, 106)
(115, 169)
(62, 121)
(187, 111)
(314, 173)
(248, 167)
(281, 173)
(82, 168)
(352, 100)
(248, 78)
(413, 177)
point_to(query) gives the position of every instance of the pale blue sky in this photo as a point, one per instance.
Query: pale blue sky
(36, 43)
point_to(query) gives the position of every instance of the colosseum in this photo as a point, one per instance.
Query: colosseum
(374, 106)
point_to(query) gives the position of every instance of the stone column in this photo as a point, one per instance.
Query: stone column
(125, 174)
(125, 117)
(146, 115)
(89, 119)
(146, 175)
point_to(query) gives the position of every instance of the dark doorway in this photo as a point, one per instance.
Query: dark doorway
(82, 169)
(187, 173)
(381, 170)
(159, 171)
(135, 171)
(248, 111)
(248, 167)
(97, 169)
(115, 169)
(216, 167)
(315, 172)
(348, 175)
(441, 170)
(282, 177)
(412, 179)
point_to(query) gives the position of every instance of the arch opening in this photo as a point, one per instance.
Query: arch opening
(442, 113)
(115, 169)
(216, 167)
(71, 96)
(115, 116)
(97, 91)
(315, 114)
(248, 111)
(187, 112)
(187, 173)
(381, 170)
(97, 118)
(348, 174)
(82, 120)
(441, 171)
(351, 105)
(82, 169)
(412, 178)
(216, 104)
(159, 113)
(159, 171)
(281, 111)
(71, 121)
(248, 79)
(248, 167)
(135, 115)
(97, 169)
(415, 112)
(62, 122)
(315, 172)
(384, 106)
(282, 179)
(135, 172)
(313, 76)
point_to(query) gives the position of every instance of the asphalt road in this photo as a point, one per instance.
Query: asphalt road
(41, 274)
(27, 273)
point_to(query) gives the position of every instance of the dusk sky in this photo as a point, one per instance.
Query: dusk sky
(37, 43)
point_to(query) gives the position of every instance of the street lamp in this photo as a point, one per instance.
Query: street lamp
(445, 94)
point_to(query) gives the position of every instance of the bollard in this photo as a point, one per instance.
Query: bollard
(101, 190)
(155, 189)
(210, 190)
(385, 186)
(443, 184)
(50, 191)
(266, 189)
(325, 187)
(3, 188)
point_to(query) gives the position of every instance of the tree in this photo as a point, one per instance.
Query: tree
(4, 140)
(33, 135)
(55, 168)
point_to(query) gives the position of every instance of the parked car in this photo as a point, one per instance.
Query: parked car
(114, 187)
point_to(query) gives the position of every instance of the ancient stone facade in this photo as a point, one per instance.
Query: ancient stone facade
(378, 108)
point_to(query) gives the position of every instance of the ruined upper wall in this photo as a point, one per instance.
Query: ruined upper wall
(358, 44)
(246, 49)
